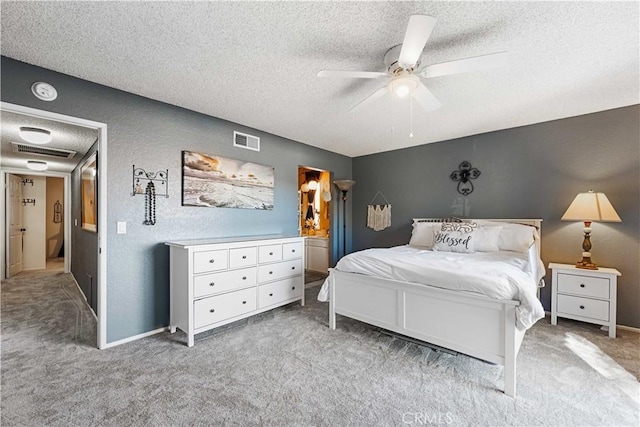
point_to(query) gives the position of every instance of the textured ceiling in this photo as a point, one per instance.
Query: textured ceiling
(255, 63)
(64, 136)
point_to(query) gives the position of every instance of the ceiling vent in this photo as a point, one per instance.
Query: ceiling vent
(42, 151)
(243, 140)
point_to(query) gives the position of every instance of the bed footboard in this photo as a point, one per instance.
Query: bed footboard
(471, 324)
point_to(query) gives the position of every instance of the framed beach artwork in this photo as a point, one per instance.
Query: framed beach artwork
(88, 184)
(214, 181)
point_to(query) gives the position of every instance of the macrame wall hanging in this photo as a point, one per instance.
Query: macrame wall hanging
(379, 216)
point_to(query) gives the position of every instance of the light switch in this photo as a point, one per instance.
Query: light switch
(122, 227)
(75, 222)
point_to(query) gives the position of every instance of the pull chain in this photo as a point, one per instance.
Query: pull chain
(411, 117)
(150, 204)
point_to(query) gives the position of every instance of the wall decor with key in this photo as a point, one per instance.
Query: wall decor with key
(144, 183)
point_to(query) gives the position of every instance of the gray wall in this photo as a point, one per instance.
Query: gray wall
(84, 244)
(528, 172)
(151, 135)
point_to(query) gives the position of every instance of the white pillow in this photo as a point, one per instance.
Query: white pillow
(513, 237)
(487, 238)
(455, 237)
(422, 234)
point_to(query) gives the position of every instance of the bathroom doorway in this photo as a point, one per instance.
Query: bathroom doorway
(314, 220)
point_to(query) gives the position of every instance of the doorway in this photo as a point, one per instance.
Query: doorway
(36, 232)
(314, 220)
(14, 169)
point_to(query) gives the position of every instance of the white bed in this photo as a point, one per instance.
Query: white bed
(490, 327)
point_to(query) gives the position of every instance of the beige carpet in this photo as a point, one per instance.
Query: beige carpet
(286, 367)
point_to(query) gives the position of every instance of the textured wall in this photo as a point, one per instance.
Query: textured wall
(151, 135)
(528, 172)
(84, 244)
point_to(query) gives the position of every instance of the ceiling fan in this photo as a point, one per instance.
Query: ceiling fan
(404, 68)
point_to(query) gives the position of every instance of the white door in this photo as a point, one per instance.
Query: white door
(14, 213)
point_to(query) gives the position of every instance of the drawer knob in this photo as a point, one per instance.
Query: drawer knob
(293, 250)
(212, 284)
(244, 302)
(270, 295)
(582, 285)
(293, 268)
(582, 307)
(293, 288)
(244, 257)
(212, 310)
(270, 253)
(211, 261)
(244, 277)
(271, 272)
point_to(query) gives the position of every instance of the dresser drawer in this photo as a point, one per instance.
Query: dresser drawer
(226, 281)
(209, 261)
(583, 307)
(268, 273)
(292, 250)
(277, 292)
(269, 253)
(596, 287)
(242, 257)
(222, 307)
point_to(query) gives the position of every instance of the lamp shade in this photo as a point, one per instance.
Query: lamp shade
(591, 207)
(344, 184)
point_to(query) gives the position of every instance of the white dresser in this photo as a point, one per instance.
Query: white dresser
(585, 295)
(218, 281)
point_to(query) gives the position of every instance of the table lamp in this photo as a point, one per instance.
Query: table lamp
(588, 207)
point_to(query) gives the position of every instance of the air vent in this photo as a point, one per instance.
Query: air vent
(243, 140)
(42, 151)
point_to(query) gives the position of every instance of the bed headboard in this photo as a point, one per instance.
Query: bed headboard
(537, 223)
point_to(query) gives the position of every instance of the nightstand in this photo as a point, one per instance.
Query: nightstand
(585, 295)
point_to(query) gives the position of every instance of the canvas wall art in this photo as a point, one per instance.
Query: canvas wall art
(214, 181)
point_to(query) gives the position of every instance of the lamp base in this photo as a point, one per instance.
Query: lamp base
(586, 262)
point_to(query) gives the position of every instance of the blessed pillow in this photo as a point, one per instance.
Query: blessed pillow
(455, 237)
(487, 238)
(422, 234)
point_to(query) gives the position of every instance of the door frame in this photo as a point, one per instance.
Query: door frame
(102, 205)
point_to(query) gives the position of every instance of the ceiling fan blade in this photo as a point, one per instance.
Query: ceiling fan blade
(425, 98)
(368, 100)
(352, 74)
(418, 32)
(476, 63)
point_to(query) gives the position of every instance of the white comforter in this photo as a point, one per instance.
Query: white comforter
(499, 275)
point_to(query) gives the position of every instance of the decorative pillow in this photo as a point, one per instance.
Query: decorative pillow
(455, 237)
(422, 234)
(487, 238)
(514, 237)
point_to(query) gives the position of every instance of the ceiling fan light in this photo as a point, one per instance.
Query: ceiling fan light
(35, 135)
(403, 86)
(37, 165)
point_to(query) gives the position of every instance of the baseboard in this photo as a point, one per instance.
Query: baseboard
(628, 328)
(135, 337)
(621, 327)
(84, 297)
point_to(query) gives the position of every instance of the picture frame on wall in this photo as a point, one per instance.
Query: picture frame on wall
(220, 182)
(88, 189)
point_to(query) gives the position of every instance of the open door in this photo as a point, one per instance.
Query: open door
(14, 209)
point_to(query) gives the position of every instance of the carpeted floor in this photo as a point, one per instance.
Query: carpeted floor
(286, 367)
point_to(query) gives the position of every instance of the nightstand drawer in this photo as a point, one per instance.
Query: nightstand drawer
(596, 287)
(583, 307)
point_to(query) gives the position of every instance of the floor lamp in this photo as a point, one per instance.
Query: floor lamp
(344, 185)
